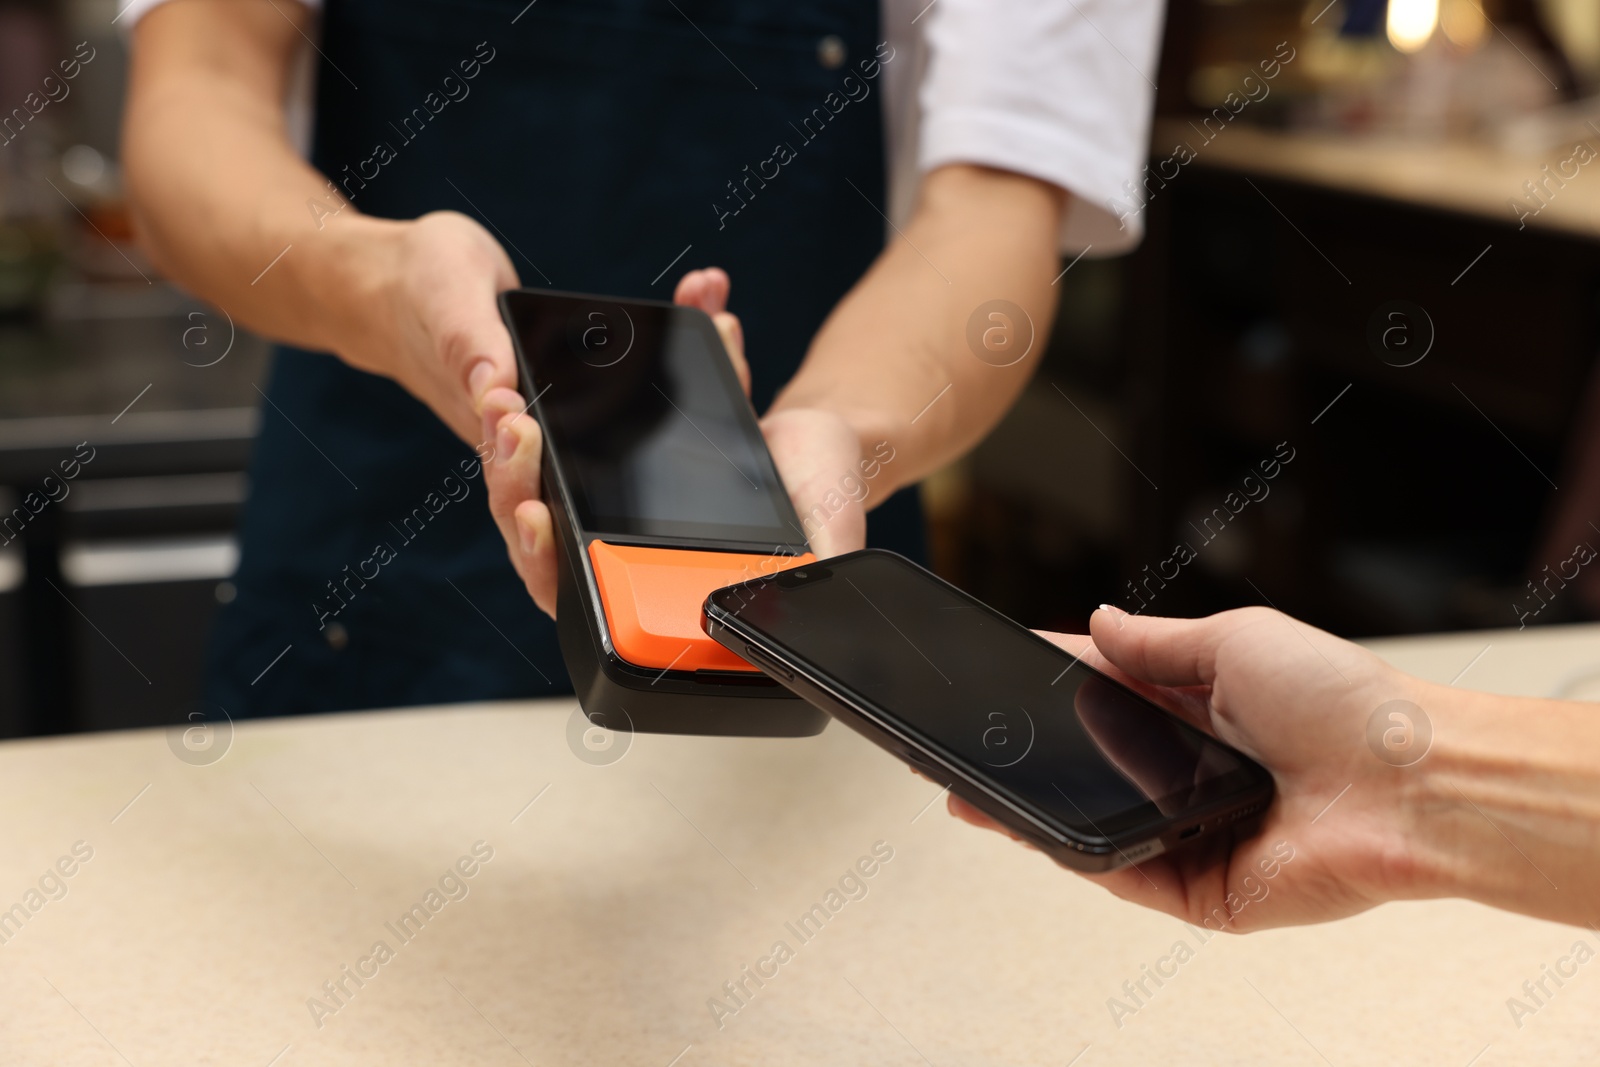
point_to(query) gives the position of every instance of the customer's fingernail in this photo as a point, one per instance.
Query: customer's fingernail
(505, 443)
(528, 538)
(1112, 610)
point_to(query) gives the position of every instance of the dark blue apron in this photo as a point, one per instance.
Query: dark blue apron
(599, 141)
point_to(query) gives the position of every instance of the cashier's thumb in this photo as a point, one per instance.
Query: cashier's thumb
(485, 374)
(1171, 652)
(451, 271)
(475, 343)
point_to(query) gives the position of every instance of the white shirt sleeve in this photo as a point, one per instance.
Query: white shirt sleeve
(131, 11)
(1059, 90)
(302, 72)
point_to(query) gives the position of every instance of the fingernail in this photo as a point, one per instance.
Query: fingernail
(505, 442)
(529, 539)
(490, 418)
(478, 378)
(1117, 615)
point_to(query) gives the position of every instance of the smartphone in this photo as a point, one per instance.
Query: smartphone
(1080, 765)
(661, 489)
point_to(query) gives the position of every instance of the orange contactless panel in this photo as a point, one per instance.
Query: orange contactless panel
(653, 599)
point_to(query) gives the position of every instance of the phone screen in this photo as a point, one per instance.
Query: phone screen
(651, 431)
(1052, 734)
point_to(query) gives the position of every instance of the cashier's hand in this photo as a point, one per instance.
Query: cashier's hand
(1298, 700)
(514, 446)
(813, 451)
(816, 452)
(431, 322)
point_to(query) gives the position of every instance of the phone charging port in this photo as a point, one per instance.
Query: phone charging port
(1193, 831)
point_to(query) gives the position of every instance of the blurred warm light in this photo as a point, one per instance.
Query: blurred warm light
(1412, 22)
(1464, 23)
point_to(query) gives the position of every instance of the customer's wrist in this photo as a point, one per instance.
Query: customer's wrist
(1480, 786)
(1385, 810)
(1427, 808)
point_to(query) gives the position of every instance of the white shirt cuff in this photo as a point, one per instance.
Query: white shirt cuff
(1048, 151)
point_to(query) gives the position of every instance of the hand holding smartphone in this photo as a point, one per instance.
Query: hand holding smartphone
(1078, 764)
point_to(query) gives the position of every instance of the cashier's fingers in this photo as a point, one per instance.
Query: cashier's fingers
(732, 334)
(537, 566)
(708, 290)
(512, 475)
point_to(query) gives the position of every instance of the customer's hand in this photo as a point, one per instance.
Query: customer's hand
(1297, 699)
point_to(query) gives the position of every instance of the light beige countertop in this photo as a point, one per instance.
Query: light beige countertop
(218, 899)
(1456, 175)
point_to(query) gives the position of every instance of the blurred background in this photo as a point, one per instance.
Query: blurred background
(1344, 374)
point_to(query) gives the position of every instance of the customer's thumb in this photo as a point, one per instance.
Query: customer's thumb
(1169, 652)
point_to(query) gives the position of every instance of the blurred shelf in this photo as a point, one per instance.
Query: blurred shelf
(101, 349)
(1468, 177)
(164, 390)
(139, 444)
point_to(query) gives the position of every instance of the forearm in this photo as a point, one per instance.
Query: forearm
(1506, 804)
(217, 190)
(894, 360)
